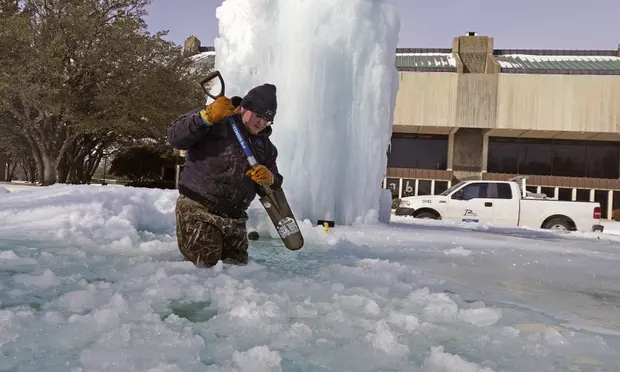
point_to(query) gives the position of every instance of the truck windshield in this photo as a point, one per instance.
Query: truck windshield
(448, 191)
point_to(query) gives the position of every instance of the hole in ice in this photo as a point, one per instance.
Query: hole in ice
(195, 312)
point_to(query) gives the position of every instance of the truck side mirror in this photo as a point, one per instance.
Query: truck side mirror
(458, 195)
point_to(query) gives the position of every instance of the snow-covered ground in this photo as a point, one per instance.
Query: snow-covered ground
(91, 280)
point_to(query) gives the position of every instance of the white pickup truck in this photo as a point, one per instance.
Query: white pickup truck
(502, 203)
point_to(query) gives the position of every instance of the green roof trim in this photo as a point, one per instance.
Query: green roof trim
(406, 61)
(582, 63)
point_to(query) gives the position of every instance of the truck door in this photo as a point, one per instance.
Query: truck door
(471, 204)
(505, 204)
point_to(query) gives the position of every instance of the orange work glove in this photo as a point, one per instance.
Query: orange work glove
(221, 108)
(261, 174)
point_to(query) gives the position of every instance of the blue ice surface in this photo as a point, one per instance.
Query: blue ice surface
(363, 303)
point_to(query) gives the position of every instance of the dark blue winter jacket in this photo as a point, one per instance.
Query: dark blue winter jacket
(215, 165)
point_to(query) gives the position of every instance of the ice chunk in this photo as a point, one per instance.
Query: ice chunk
(386, 340)
(165, 367)
(458, 251)
(385, 206)
(8, 255)
(554, 337)
(337, 84)
(258, 359)
(78, 301)
(12, 258)
(439, 361)
(480, 317)
(407, 321)
(45, 280)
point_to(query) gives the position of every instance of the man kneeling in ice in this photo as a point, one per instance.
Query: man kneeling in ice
(217, 184)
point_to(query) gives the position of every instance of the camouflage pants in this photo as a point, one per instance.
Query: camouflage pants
(206, 238)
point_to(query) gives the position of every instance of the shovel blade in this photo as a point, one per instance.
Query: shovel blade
(282, 217)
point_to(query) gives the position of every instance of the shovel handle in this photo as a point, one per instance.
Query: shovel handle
(208, 78)
(244, 145)
(246, 149)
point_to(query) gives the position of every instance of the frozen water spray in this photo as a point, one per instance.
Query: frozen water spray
(333, 62)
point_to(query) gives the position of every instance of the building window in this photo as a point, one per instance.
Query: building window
(602, 160)
(503, 156)
(569, 159)
(535, 158)
(418, 151)
(554, 157)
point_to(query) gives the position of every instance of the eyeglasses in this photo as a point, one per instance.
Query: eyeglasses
(268, 117)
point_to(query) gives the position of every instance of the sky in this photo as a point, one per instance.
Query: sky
(534, 24)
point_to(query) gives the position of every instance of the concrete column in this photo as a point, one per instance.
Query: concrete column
(460, 67)
(451, 148)
(485, 151)
(191, 46)
(467, 160)
(473, 52)
(610, 203)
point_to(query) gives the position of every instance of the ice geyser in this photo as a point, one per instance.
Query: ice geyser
(333, 62)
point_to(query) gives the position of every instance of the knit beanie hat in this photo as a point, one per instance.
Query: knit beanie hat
(262, 100)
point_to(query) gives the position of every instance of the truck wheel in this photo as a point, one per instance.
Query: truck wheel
(426, 216)
(558, 224)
